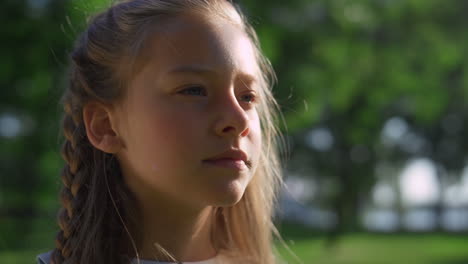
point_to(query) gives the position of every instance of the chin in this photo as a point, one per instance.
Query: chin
(227, 195)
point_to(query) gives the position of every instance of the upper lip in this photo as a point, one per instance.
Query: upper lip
(235, 154)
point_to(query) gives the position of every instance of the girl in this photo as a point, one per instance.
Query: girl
(170, 139)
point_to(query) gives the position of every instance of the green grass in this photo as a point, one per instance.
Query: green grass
(381, 249)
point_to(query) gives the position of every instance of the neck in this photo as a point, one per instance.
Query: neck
(184, 233)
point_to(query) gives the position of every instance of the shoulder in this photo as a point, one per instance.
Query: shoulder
(44, 258)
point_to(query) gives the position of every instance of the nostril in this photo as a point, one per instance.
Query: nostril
(242, 133)
(228, 129)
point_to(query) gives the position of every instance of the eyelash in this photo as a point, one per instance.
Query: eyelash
(192, 88)
(201, 88)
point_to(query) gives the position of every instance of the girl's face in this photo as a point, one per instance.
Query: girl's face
(192, 101)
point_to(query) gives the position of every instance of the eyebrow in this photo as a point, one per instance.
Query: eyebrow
(205, 70)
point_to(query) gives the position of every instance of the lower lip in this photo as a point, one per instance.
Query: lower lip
(227, 163)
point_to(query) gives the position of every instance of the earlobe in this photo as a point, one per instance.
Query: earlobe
(99, 128)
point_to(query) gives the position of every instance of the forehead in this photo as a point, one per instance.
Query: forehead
(201, 40)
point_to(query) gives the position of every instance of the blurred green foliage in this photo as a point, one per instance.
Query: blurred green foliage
(348, 66)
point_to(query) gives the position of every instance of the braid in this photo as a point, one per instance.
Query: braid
(95, 209)
(73, 194)
(90, 222)
(92, 216)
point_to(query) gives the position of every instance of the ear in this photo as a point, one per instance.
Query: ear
(100, 127)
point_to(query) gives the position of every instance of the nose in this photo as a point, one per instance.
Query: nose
(232, 119)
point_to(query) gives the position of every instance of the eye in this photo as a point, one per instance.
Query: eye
(196, 90)
(249, 98)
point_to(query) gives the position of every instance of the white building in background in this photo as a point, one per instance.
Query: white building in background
(417, 188)
(418, 184)
(420, 191)
(455, 199)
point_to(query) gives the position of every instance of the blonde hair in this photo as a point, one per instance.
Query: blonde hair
(96, 209)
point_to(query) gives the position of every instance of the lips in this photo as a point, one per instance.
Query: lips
(232, 158)
(228, 163)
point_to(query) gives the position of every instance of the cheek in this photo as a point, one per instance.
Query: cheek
(169, 137)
